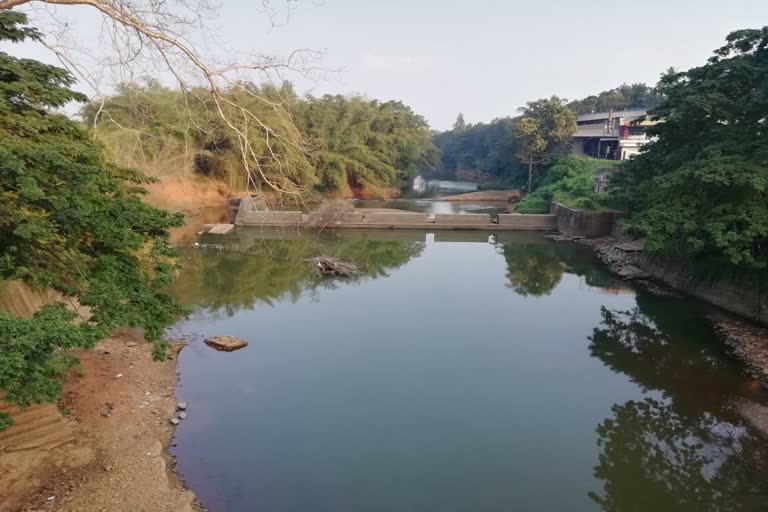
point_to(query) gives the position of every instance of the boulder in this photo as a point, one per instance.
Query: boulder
(226, 343)
(630, 247)
(631, 272)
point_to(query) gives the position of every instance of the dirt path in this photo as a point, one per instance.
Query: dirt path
(108, 453)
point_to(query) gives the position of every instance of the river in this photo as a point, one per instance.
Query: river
(425, 198)
(465, 372)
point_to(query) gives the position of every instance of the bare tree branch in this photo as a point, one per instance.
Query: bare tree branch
(158, 31)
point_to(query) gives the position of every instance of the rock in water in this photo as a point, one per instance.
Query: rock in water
(226, 343)
(631, 272)
(181, 406)
(174, 421)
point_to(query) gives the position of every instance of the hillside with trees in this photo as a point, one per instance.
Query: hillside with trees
(332, 144)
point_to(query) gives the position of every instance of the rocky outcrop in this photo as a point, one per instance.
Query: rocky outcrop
(226, 343)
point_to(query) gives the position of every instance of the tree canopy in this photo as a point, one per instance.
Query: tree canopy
(72, 222)
(544, 130)
(700, 189)
(486, 150)
(635, 96)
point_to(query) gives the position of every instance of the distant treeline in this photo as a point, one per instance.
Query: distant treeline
(332, 144)
(488, 151)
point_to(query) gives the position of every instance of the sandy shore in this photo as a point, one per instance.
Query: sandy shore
(116, 461)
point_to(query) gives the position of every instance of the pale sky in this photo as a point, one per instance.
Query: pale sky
(484, 58)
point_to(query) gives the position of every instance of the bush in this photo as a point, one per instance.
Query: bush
(570, 182)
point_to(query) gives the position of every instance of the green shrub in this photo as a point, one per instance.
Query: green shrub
(570, 182)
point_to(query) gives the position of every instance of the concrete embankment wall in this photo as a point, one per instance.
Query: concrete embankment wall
(742, 294)
(589, 224)
(247, 216)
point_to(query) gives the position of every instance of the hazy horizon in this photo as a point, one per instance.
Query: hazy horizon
(484, 59)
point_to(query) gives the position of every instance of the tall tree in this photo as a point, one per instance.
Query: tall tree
(459, 125)
(72, 222)
(544, 129)
(700, 190)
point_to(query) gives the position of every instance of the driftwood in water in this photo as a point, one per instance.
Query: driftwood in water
(330, 266)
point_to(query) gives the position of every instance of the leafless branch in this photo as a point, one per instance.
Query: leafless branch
(160, 33)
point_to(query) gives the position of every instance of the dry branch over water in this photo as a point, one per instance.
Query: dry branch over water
(330, 266)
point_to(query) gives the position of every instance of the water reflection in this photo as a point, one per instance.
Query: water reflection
(683, 448)
(475, 398)
(256, 269)
(267, 266)
(655, 458)
(532, 269)
(535, 267)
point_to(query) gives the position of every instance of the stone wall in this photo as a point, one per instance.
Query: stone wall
(395, 218)
(468, 218)
(738, 293)
(528, 222)
(589, 224)
(249, 217)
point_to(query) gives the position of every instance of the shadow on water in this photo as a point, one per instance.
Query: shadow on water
(463, 371)
(684, 447)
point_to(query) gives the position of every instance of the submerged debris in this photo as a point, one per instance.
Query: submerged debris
(330, 266)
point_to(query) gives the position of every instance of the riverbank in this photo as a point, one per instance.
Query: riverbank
(119, 411)
(746, 340)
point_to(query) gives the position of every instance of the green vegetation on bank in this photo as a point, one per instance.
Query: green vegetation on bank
(485, 150)
(699, 192)
(73, 222)
(497, 153)
(332, 144)
(570, 182)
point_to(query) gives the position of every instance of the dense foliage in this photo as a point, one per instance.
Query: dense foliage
(483, 150)
(700, 190)
(623, 97)
(72, 222)
(364, 144)
(332, 144)
(570, 182)
(506, 150)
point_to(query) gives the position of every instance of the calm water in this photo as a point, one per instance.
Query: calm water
(431, 206)
(464, 372)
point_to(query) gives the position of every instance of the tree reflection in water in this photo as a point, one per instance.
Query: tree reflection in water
(532, 268)
(535, 267)
(686, 450)
(272, 270)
